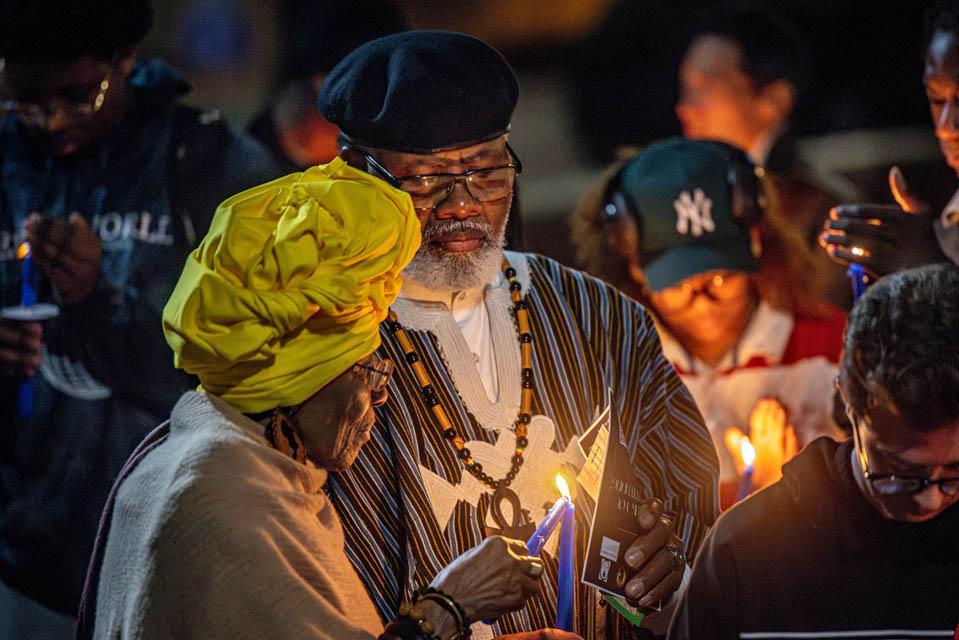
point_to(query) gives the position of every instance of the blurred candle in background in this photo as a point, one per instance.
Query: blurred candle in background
(748, 453)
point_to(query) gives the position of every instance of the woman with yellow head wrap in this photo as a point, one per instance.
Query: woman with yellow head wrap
(219, 525)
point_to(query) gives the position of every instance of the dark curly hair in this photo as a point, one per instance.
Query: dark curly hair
(942, 16)
(52, 31)
(902, 344)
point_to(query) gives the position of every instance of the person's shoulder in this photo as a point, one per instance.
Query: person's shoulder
(566, 277)
(795, 499)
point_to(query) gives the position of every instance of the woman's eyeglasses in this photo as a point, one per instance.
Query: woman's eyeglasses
(377, 375)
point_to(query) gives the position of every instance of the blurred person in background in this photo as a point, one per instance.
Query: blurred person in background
(314, 36)
(858, 539)
(887, 238)
(675, 227)
(112, 182)
(740, 80)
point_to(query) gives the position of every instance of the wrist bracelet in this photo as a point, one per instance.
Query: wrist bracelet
(448, 604)
(410, 624)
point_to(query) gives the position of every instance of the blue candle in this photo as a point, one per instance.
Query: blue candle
(28, 295)
(567, 570)
(28, 298)
(748, 453)
(545, 529)
(857, 275)
(745, 485)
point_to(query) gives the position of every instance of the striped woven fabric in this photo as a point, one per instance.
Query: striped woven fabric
(587, 337)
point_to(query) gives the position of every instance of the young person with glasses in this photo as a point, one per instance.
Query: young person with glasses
(112, 181)
(858, 539)
(677, 228)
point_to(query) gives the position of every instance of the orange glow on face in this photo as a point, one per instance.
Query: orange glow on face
(23, 251)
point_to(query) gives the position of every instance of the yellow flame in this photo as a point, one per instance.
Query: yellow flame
(23, 250)
(561, 485)
(747, 451)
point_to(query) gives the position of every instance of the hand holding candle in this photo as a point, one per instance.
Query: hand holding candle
(21, 334)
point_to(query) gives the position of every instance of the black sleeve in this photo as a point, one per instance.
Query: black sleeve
(708, 610)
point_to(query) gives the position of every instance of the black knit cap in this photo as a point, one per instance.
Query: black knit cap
(420, 92)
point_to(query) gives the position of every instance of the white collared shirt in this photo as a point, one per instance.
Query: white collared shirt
(469, 310)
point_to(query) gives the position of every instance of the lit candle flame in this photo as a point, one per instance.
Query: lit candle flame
(562, 486)
(747, 451)
(23, 251)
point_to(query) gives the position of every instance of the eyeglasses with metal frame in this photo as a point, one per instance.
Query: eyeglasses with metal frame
(377, 375)
(428, 190)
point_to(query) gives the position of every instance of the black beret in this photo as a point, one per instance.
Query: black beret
(420, 92)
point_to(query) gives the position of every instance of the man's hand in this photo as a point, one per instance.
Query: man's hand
(657, 558)
(883, 238)
(67, 252)
(491, 579)
(19, 349)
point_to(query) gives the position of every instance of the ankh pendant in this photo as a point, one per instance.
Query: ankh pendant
(519, 527)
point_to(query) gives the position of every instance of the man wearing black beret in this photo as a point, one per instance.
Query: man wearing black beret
(503, 358)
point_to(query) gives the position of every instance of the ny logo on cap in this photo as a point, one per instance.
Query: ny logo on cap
(694, 214)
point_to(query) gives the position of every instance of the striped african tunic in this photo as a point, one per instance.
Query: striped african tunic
(407, 507)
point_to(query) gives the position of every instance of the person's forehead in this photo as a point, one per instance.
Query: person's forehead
(892, 435)
(942, 56)
(472, 155)
(713, 56)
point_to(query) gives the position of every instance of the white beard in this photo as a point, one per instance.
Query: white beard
(457, 271)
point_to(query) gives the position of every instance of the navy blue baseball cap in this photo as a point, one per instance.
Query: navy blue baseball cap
(421, 92)
(680, 191)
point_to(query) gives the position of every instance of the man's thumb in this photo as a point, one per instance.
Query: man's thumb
(906, 200)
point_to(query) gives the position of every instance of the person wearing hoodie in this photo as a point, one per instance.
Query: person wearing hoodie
(111, 182)
(858, 539)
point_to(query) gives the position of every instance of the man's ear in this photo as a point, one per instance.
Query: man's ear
(778, 99)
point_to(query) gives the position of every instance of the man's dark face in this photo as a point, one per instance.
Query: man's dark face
(941, 77)
(66, 94)
(891, 445)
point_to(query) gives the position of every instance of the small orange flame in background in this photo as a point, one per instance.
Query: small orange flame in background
(23, 251)
(747, 451)
(562, 486)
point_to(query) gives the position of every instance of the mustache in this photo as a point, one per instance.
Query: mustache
(440, 228)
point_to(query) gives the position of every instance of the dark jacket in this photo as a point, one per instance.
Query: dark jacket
(810, 554)
(148, 191)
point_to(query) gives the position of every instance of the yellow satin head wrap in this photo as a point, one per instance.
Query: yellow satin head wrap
(288, 288)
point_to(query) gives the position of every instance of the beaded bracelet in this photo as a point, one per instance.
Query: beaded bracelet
(448, 604)
(410, 624)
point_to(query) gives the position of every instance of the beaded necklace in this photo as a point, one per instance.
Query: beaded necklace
(526, 394)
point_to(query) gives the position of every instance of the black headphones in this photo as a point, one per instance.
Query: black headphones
(746, 197)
